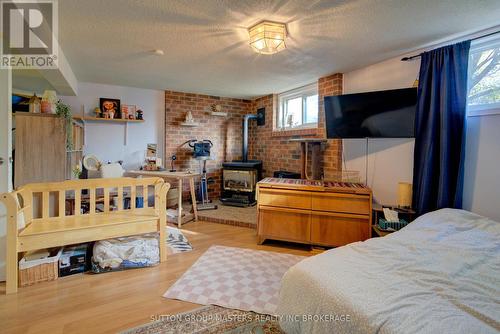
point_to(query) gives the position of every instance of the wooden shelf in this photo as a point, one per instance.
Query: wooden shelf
(189, 124)
(31, 114)
(308, 140)
(219, 113)
(114, 120)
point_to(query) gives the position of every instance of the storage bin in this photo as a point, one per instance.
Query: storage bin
(75, 259)
(41, 270)
(391, 226)
(172, 198)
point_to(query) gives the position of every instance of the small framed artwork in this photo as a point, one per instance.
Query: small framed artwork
(20, 102)
(110, 108)
(128, 111)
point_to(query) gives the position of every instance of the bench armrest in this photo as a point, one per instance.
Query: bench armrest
(12, 205)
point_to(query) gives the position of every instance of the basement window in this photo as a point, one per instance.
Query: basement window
(484, 77)
(298, 108)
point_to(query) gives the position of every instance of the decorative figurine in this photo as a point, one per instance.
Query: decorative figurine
(189, 118)
(97, 112)
(34, 104)
(139, 114)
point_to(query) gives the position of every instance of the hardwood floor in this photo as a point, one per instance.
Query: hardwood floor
(112, 302)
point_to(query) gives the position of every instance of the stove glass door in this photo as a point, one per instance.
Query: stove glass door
(239, 180)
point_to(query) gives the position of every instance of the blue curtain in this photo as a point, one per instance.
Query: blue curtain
(440, 128)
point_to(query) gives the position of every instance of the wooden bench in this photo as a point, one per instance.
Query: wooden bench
(47, 224)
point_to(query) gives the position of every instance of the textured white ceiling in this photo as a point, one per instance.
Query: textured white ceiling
(206, 41)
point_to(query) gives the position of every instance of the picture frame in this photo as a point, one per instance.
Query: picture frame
(110, 108)
(128, 111)
(20, 102)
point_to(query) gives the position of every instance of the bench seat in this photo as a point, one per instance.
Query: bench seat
(85, 228)
(67, 228)
(57, 224)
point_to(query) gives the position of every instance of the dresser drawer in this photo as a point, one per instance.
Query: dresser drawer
(281, 224)
(338, 202)
(285, 198)
(338, 230)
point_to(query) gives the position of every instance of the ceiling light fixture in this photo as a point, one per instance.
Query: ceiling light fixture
(268, 37)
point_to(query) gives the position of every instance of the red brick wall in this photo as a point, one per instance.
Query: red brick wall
(332, 155)
(274, 149)
(224, 132)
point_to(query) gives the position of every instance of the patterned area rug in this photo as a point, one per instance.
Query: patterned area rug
(211, 319)
(237, 278)
(177, 242)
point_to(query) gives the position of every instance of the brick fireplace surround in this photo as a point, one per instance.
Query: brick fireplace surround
(271, 147)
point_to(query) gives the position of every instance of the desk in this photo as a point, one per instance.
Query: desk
(180, 177)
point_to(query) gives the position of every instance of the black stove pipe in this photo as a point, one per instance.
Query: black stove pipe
(246, 118)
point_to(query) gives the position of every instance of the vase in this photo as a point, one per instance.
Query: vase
(47, 107)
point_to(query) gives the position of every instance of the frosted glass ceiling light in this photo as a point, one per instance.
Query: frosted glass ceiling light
(268, 37)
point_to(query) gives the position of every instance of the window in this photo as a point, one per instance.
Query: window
(298, 108)
(484, 77)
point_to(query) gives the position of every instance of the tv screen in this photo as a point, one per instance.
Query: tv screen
(382, 114)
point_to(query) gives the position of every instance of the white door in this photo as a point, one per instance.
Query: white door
(5, 156)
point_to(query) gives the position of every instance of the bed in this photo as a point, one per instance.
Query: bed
(440, 274)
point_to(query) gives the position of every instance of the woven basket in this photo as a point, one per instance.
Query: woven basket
(44, 270)
(41, 273)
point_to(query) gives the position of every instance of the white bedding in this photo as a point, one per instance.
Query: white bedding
(440, 274)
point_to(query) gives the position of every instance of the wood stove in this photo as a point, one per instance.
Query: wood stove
(239, 178)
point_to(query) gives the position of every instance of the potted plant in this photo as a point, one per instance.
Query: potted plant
(64, 111)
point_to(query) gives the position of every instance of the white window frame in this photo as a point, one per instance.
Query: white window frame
(479, 46)
(302, 92)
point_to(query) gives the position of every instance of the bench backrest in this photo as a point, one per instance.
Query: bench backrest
(90, 197)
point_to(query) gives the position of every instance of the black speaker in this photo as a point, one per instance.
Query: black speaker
(261, 116)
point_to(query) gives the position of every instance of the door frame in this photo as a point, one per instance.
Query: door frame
(6, 155)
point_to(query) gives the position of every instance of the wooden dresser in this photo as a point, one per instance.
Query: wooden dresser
(313, 212)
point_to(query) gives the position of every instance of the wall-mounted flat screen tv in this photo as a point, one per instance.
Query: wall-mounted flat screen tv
(382, 114)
